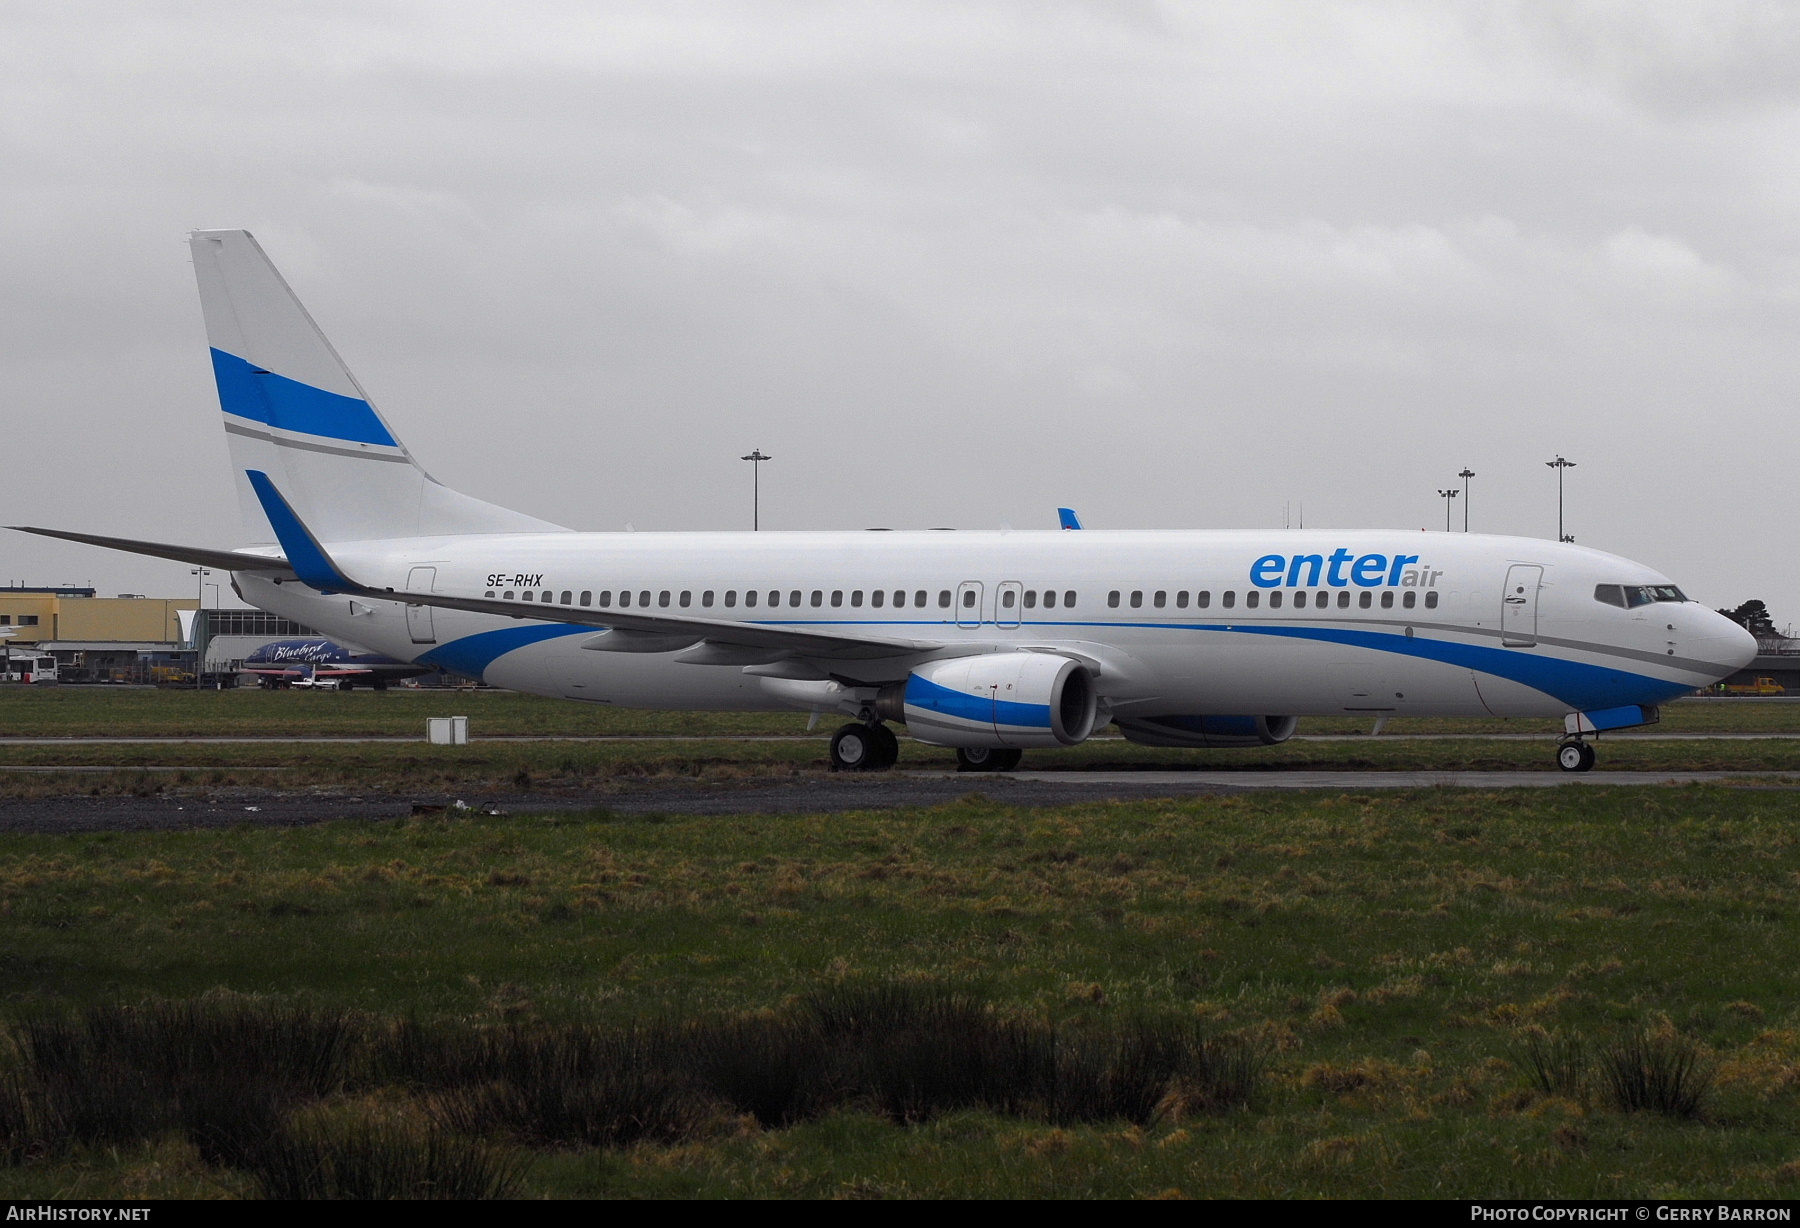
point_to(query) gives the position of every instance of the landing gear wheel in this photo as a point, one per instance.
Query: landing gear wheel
(1575, 757)
(886, 747)
(855, 748)
(986, 759)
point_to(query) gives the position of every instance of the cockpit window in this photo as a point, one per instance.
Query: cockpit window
(1631, 596)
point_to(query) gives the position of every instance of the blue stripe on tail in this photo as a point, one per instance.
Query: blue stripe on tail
(275, 400)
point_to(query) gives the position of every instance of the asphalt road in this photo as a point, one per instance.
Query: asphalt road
(809, 795)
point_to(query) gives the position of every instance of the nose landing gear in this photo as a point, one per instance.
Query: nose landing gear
(860, 747)
(985, 759)
(1574, 755)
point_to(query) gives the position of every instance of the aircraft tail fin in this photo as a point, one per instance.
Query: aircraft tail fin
(293, 409)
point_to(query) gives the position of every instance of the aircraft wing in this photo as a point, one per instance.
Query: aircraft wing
(224, 560)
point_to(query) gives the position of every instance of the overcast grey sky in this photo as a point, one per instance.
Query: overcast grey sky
(1176, 265)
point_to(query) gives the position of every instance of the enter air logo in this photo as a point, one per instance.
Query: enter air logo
(1341, 569)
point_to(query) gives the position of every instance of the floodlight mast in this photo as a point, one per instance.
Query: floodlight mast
(756, 458)
(1447, 496)
(1465, 475)
(1559, 464)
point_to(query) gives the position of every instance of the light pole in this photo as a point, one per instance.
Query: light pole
(1447, 495)
(756, 458)
(1465, 475)
(1559, 464)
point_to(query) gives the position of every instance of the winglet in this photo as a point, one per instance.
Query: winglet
(1068, 518)
(304, 553)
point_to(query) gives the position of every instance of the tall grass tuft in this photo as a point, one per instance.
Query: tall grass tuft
(578, 1086)
(1662, 1072)
(321, 1156)
(1557, 1062)
(223, 1069)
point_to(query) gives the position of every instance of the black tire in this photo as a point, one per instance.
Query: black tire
(987, 759)
(854, 749)
(887, 748)
(1575, 757)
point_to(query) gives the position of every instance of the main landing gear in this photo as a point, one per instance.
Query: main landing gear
(1574, 755)
(986, 759)
(860, 747)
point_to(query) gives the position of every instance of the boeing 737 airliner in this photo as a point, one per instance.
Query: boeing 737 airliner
(991, 643)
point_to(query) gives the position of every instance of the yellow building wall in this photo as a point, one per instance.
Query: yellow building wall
(95, 618)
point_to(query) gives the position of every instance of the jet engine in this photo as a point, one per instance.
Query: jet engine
(1207, 731)
(999, 700)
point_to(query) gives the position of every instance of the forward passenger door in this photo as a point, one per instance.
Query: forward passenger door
(1519, 604)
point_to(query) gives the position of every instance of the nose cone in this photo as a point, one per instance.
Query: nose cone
(1730, 645)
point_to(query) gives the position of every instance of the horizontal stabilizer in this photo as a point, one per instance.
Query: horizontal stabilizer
(224, 560)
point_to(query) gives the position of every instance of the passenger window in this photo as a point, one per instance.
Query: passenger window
(1252, 599)
(587, 596)
(877, 599)
(624, 597)
(730, 598)
(969, 600)
(750, 598)
(1387, 600)
(1160, 600)
(1006, 599)
(1431, 600)
(1363, 600)
(1275, 600)
(507, 595)
(899, 599)
(1181, 600)
(1343, 601)
(1137, 599)
(662, 599)
(568, 598)
(818, 598)
(856, 597)
(6, 619)
(943, 599)
(919, 599)
(528, 596)
(687, 598)
(1031, 599)
(1112, 599)
(1069, 599)
(774, 598)
(794, 597)
(605, 598)
(1610, 594)
(706, 598)
(837, 597)
(1202, 599)
(1409, 599)
(644, 597)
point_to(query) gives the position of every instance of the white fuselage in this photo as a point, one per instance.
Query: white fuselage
(1384, 622)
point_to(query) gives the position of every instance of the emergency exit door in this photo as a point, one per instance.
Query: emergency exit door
(418, 617)
(1519, 604)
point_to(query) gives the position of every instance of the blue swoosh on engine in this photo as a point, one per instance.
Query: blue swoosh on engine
(288, 405)
(983, 709)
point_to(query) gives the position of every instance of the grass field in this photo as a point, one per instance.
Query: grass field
(1393, 958)
(1392, 954)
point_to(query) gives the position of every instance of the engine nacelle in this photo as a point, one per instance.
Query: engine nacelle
(1208, 731)
(1000, 700)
